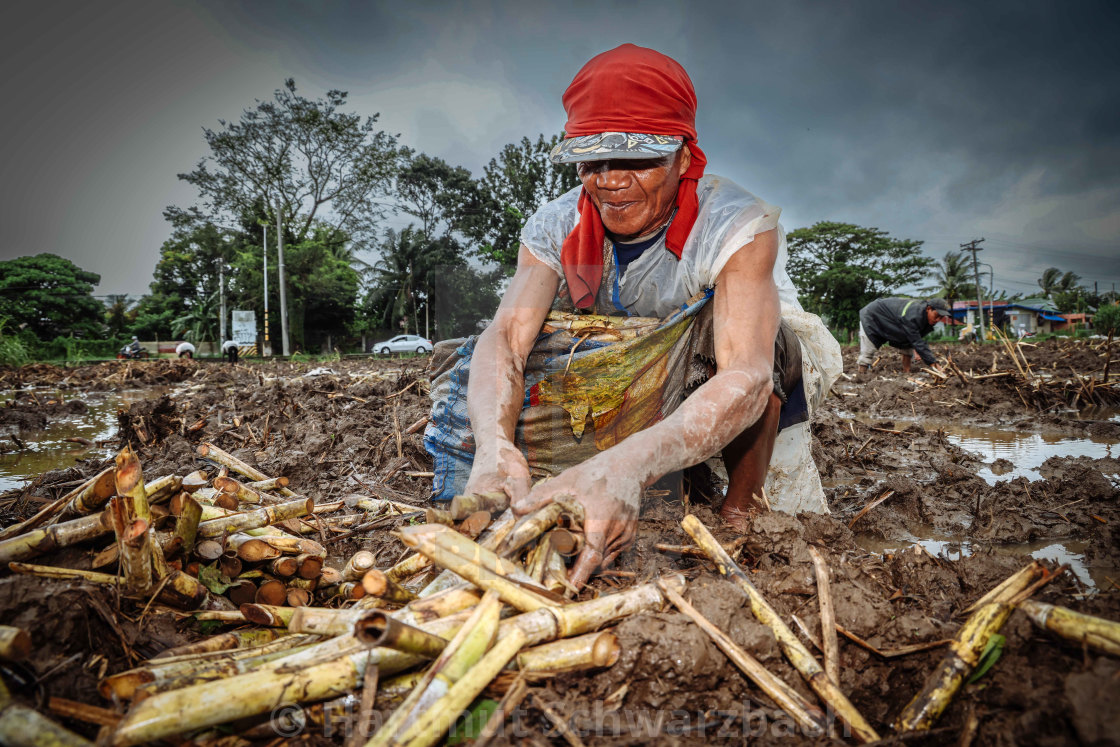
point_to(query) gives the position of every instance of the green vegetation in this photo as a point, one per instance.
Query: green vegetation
(1107, 320)
(840, 268)
(13, 351)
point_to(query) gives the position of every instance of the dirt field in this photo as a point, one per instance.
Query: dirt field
(355, 428)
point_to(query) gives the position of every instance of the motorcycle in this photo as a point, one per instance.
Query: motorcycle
(127, 353)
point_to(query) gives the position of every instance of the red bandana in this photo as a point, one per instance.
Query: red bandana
(628, 89)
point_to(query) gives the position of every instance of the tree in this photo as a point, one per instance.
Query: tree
(442, 197)
(118, 317)
(1049, 281)
(514, 186)
(952, 279)
(320, 163)
(1107, 320)
(52, 296)
(840, 267)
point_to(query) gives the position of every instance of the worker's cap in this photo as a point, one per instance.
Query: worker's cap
(606, 146)
(940, 305)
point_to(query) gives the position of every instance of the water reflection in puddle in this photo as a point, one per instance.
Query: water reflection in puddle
(1026, 452)
(1067, 552)
(47, 449)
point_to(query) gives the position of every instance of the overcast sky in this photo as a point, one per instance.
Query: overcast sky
(936, 121)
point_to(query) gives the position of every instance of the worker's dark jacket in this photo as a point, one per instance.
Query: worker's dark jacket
(901, 322)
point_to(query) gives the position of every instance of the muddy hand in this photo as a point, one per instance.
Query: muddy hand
(610, 500)
(500, 467)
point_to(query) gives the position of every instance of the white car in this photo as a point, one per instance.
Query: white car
(403, 344)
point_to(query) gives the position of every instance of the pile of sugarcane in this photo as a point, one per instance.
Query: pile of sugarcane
(427, 635)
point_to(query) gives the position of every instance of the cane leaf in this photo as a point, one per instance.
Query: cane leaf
(470, 724)
(991, 655)
(212, 578)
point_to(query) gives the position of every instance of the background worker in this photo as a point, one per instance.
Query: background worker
(229, 348)
(902, 323)
(185, 350)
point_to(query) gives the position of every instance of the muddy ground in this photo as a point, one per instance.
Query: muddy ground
(355, 427)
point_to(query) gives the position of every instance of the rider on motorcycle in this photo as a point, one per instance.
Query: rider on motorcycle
(132, 349)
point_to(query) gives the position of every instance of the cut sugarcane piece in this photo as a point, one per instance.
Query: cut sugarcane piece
(460, 654)
(1096, 632)
(532, 525)
(463, 506)
(964, 653)
(590, 651)
(186, 527)
(358, 564)
(15, 643)
(56, 536)
(376, 629)
(257, 518)
(377, 584)
(92, 495)
(439, 717)
(789, 643)
(234, 639)
(467, 559)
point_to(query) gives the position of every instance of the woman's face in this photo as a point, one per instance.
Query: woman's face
(634, 197)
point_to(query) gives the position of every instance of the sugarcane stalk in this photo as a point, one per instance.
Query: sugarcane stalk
(451, 550)
(133, 544)
(438, 516)
(408, 567)
(475, 524)
(323, 671)
(590, 651)
(445, 603)
(15, 643)
(186, 527)
(92, 495)
(377, 629)
(194, 481)
(377, 584)
(350, 590)
(358, 564)
(159, 675)
(1021, 579)
(309, 584)
(130, 485)
(1097, 632)
(285, 566)
(234, 639)
(963, 655)
(64, 574)
(460, 654)
(48, 512)
(21, 726)
(556, 572)
(272, 483)
(537, 560)
(225, 459)
(229, 564)
(51, 538)
(253, 519)
(330, 577)
(310, 565)
(463, 506)
(186, 592)
(222, 616)
(286, 681)
(533, 525)
(253, 549)
(271, 592)
(807, 715)
(490, 539)
(208, 550)
(437, 719)
(789, 643)
(828, 618)
(244, 494)
(272, 615)
(162, 488)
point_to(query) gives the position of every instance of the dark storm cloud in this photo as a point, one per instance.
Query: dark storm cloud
(932, 121)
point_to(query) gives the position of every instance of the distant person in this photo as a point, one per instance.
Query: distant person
(185, 350)
(901, 323)
(133, 348)
(229, 348)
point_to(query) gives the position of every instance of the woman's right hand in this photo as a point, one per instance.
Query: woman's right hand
(499, 466)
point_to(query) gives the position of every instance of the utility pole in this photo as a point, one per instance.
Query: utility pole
(267, 347)
(222, 295)
(283, 294)
(972, 247)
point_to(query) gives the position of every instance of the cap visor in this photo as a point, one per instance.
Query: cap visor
(615, 145)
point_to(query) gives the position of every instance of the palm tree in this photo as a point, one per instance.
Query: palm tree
(1068, 282)
(1050, 281)
(201, 320)
(951, 278)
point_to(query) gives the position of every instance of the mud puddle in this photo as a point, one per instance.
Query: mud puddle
(954, 547)
(1012, 454)
(73, 427)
